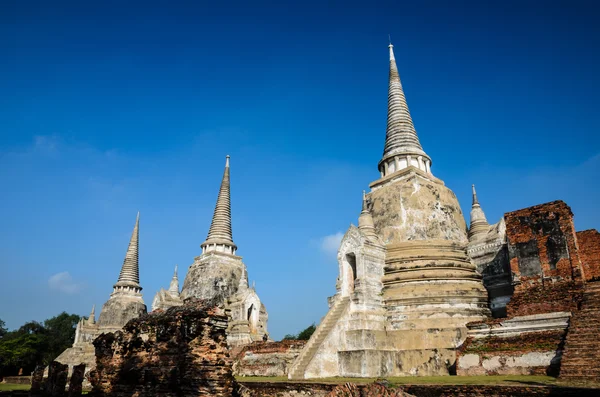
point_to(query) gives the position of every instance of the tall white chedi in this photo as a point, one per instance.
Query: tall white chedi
(219, 276)
(126, 302)
(406, 287)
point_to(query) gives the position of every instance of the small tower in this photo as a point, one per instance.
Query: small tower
(92, 318)
(365, 220)
(174, 286)
(165, 299)
(479, 224)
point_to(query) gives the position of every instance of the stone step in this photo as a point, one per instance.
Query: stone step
(590, 301)
(578, 365)
(588, 325)
(582, 327)
(583, 334)
(583, 331)
(572, 360)
(589, 311)
(581, 371)
(583, 343)
(590, 304)
(299, 366)
(572, 355)
(585, 320)
(581, 355)
(570, 346)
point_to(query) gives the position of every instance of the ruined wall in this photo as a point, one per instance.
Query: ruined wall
(182, 351)
(542, 243)
(530, 353)
(266, 358)
(544, 259)
(589, 252)
(56, 383)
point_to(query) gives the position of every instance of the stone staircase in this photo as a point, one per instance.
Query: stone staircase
(581, 356)
(333, 315)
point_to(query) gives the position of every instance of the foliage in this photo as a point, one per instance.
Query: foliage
(303, 335)
(12, 386)
(61, 333)
(3, 329)
(307, 332)
(36, 344)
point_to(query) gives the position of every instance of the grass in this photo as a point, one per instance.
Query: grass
(425, 380)
(13, 386)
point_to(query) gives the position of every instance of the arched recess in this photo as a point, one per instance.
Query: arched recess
(252, 312)
(348, 257)
(350, 274)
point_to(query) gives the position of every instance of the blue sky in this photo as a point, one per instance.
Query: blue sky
(107, 109)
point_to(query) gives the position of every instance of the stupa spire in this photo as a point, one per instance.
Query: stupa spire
(475, 201)
(479, 224)
(174, 286)
(219, 235)
(130, 273)
(402, 147)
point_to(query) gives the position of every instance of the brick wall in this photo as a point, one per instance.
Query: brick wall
(544, 259)
(542, 242)
(548, 297)
(589, 252)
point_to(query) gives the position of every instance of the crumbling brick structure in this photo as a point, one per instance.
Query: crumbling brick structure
(544, 259)
(182, 351)
(266, 358)
(589, 252)
(54, 385)
(76, 380)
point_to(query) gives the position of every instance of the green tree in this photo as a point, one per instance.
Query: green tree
(307, 332)
(61, 334)
(23, 348)
(35, 343)
(3, 329)
(303, 335)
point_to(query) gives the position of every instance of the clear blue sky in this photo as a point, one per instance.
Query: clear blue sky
(107, 108)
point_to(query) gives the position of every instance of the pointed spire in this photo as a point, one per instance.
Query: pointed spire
(479, 224)
(130, 273)
(475, 201)
(219, 235)
(174, 286)
(92, 318)
(402, 146)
